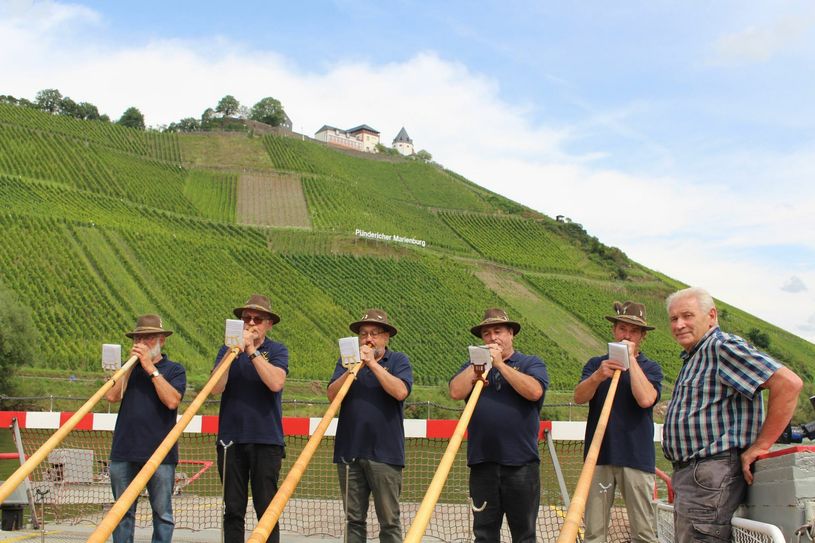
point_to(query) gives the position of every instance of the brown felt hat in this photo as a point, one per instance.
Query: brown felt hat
(630, 312)
(257, 302)
(374, 316)
(493, 316)
(149, 324)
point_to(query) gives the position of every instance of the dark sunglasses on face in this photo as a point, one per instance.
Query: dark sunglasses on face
(253, 319)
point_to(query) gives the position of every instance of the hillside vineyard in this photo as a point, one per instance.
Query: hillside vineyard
(102, 223)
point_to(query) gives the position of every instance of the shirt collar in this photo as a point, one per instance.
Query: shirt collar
(685, 355)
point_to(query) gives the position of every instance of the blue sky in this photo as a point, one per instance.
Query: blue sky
(681, 132)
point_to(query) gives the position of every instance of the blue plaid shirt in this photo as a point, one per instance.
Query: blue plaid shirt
(716, 404)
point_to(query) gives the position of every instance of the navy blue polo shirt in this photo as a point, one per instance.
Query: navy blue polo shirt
(504, 427)
(143, 421)
(250, 412)
(629, 436)
(371, 423)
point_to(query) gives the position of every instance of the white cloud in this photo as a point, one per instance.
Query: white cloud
(794, 284)
(688, 228)
(756, 44)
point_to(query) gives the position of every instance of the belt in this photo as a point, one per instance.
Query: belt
(729, 453)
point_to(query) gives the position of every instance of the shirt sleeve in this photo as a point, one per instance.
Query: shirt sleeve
(537, 369)
(220, 355)
(279, 357)
(178, 378)
(339, 370)
(404, 371)
(744, 368)
(653, 373)
(590, 367)
(462, 368)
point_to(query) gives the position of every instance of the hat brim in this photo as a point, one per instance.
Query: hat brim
(514, 326)
(354, 326)
(238, 312)
(148, 331)
(629, 320)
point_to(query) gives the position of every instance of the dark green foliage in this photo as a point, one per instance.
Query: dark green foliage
(132, 118)
(424, 155)
(228, 105)
(758, 338)
(48, 100)
(388, 151)
(18, 338)
(268, 110)
(187, 124)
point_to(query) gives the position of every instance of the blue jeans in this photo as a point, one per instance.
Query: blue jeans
(514, 491)
(160, 491)
(384, 481)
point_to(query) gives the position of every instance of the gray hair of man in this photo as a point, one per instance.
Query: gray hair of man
(702, 296)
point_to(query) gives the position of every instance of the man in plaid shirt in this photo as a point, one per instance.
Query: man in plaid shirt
(713, 429)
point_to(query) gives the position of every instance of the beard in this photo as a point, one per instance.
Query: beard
(155, 350)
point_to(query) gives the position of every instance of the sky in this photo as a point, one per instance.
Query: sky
(680, 132)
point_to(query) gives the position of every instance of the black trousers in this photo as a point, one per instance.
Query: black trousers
(498, 490)
(247, 464)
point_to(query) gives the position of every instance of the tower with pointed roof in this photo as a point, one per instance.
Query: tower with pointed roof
(403, 143)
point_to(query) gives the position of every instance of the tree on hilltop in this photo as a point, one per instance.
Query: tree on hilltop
(48, 100)
(68, 107)
(424, 155)
(132, 118)
(228, 105)
(87, 111)
(268, 110)
(187, 124)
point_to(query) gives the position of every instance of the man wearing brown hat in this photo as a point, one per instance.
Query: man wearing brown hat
(502, 447)
(626, 459)
(369, 449)
(150, 393)
(250, 425)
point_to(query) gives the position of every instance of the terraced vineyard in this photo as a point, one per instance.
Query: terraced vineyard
(433, 307)
(340, 206)
(214, 195)
(520, 242)
(147, 144)
(101, 223)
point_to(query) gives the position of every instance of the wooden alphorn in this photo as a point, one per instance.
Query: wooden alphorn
(574, 514)
(272, 514)
(422, 519)
(120, 507)
(35, 459)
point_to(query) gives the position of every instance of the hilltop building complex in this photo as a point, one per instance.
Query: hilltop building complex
(362, 138)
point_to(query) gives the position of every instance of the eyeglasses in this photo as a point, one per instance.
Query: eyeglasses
(371, 334)
(252, 319)
(145, 337)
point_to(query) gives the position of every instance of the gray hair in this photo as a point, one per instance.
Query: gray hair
(702, 296)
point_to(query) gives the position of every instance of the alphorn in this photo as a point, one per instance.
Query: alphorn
(35, 459)
(120, 507)
(272, 514)
(574, 514)
(422, 519)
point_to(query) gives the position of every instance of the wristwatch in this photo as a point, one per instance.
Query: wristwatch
(256, 353)
(154, 374)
